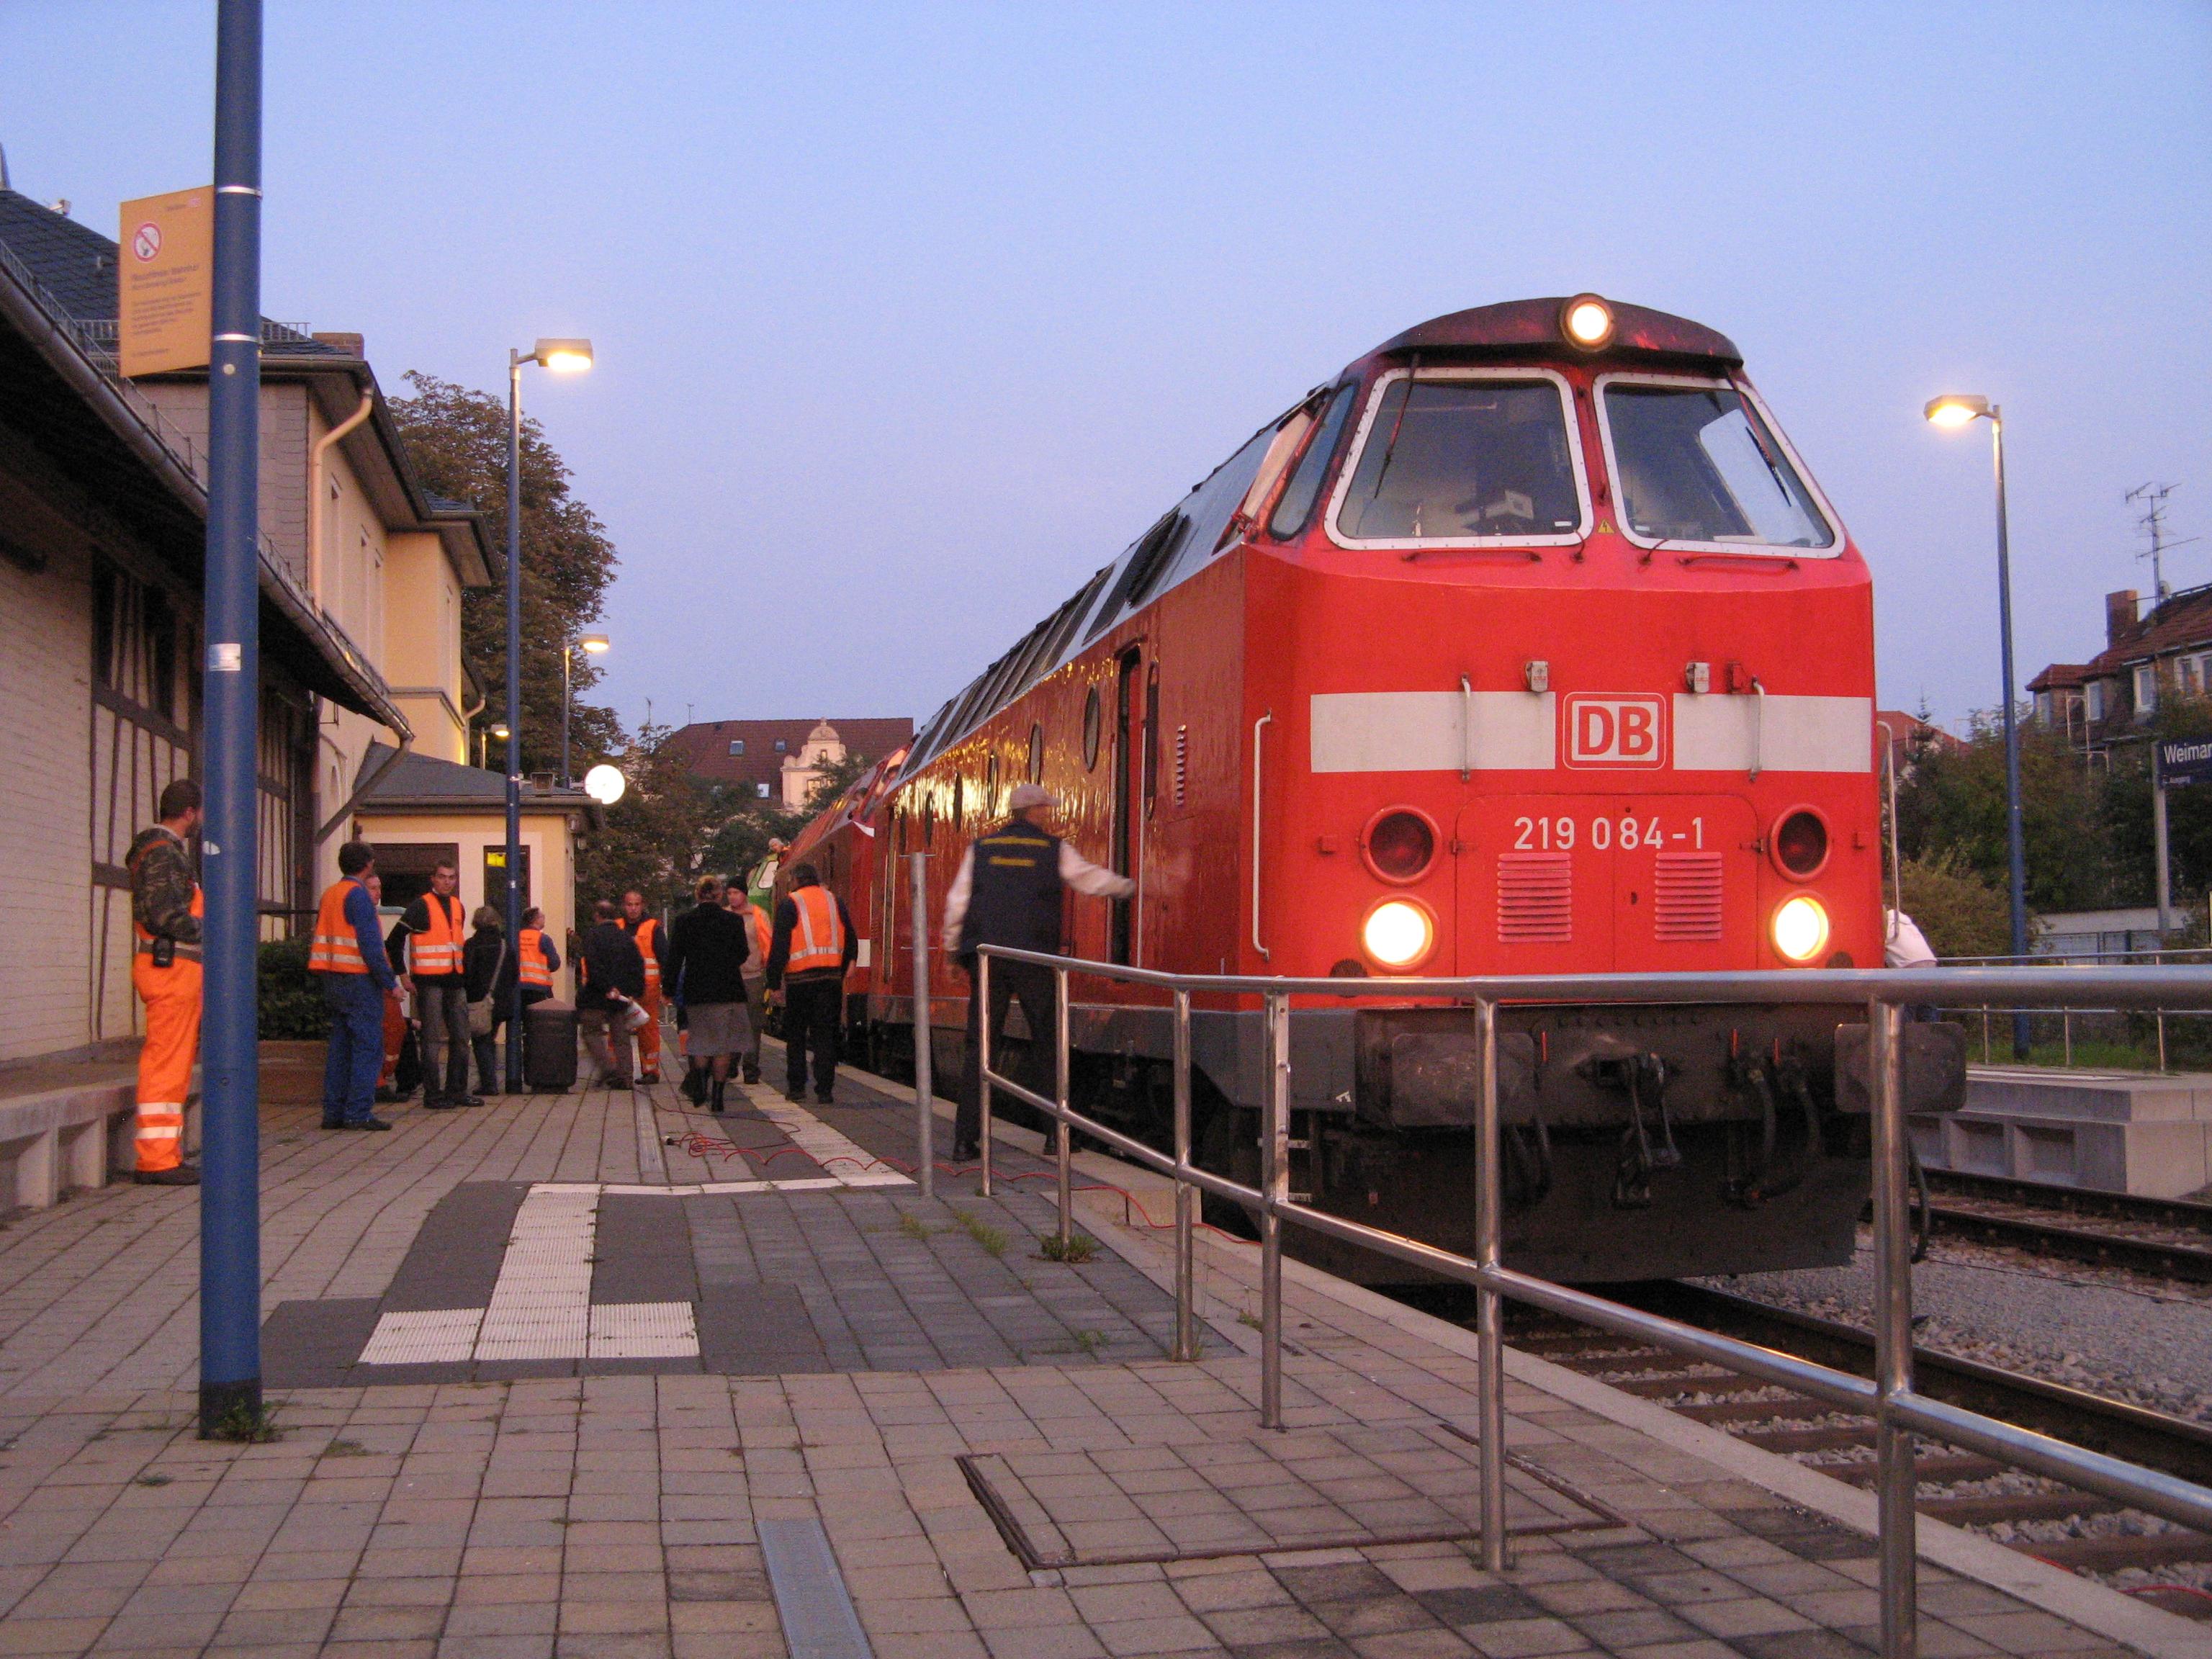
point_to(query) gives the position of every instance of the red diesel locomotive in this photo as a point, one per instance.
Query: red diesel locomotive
(1526, 645)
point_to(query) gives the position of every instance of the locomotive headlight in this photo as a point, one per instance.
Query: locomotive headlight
(1397, 933)
(1587, 321)
(1801, 929)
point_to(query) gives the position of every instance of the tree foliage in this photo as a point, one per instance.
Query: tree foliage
(1957, 913)
(654, 837)
(457, 438)
(2086, 819)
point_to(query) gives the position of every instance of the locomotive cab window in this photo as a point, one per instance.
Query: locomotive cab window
(1696, 463)
(1459, 456)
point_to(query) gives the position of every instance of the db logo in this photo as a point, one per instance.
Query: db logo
(1604, 731)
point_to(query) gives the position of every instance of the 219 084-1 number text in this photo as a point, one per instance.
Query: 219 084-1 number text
(1627, 831)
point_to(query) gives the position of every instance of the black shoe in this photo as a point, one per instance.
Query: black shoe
(334, 1123)
(752, 1075)
(970, 1153)
(650, 1077)
(185, 1174)
(825, 1097)
(439, 1105)
(470, 1100)
(383, 1097)
(373, 1122)
(796, 1097)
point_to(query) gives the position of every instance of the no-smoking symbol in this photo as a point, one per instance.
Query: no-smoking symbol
(146, 241)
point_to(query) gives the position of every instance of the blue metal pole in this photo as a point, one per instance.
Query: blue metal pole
(2015, 840)
(513, 906)
(230, 1195)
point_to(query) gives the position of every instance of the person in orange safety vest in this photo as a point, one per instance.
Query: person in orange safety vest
(645, 933)
(350, 958)
(166, 914)
(811, 945)
(755, 972)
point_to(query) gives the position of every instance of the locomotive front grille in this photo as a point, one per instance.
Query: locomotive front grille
(1686, 896)
(1536, 898)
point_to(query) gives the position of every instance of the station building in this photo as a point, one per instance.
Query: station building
(777, 761)
(103, 503)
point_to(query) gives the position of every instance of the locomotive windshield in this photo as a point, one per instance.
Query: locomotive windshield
(1461, 459)
(1696, 464)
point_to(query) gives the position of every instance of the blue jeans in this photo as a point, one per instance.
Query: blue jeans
(356, 1050)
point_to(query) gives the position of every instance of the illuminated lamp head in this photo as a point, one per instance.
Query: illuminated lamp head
(1398, 934)
(1586, 320)
(1955, 410)
(1800, 928)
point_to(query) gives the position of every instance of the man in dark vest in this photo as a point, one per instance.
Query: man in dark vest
(1008, 892)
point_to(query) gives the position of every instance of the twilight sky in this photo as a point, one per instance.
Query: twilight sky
(909, 317)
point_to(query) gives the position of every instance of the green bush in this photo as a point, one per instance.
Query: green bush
(291, 1002)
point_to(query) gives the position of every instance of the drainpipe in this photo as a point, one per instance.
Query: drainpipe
(315, 490)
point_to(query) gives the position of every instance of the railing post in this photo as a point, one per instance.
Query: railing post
(2161, 1038)
(1062, 1148)
(982, 1014)
(1186, 1326)
(1275, 1183)
(1489, 1306)
(1897, 1480)
(924, 1079)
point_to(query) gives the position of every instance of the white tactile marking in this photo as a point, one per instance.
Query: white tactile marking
(541, 1306)
(644, 1330)
(436, 1336)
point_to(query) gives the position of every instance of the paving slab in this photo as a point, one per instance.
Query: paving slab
(715, 1332)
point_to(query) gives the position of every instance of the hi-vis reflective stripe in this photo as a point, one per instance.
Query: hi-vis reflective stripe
(644, 938)
(819, 940)
(438, 949)
(336, 949)
(531, 958)
(1518, 731)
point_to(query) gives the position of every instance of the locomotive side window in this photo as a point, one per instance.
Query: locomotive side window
(1289, 515)
(1451, 457)
(1696, 462)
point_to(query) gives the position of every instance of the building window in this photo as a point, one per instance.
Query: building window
(760, 789)
(2092, 700)
(779, 745)
(2043, 707)
(2146, 690)
(737, 746)
(2191, 676)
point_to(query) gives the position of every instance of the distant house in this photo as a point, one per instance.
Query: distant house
(777, 761)
(1911, 738)
(2149, 657)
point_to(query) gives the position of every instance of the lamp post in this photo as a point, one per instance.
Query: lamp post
(1952, 412)
(596, 644)
(230, 1197)
(562, 358)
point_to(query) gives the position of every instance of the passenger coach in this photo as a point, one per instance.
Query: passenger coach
(1526, 645)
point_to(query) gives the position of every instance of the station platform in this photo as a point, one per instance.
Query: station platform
(551, 1387)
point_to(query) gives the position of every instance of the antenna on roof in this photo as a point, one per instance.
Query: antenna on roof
(3, 167)
(2153, 524)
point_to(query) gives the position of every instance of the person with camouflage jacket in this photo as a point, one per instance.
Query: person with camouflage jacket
(165, 971)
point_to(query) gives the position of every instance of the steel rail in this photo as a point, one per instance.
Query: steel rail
(1898, 1411)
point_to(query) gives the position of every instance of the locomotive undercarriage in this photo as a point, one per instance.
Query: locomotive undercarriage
(1639, 1142)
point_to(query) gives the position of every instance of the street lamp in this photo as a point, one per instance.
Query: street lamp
(496, 729)
(1953, 412)
(562, 358)
(597, 645)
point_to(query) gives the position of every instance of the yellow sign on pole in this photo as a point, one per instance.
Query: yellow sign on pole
(165, 282)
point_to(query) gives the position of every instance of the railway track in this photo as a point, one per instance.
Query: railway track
(1964, 1488)
(2165, 1238)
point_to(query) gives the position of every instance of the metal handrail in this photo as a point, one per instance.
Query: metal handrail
(1898, 1411)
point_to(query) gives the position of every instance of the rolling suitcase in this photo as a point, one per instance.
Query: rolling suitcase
(549, 1054)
